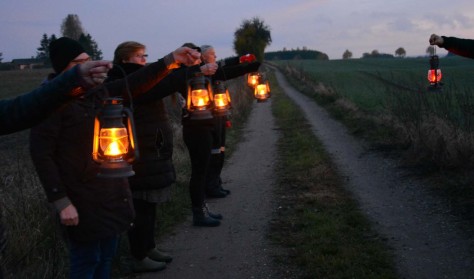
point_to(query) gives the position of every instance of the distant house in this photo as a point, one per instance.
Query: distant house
(22, 64)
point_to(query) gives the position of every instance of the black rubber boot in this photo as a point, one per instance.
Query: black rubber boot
(212, 215)
(201, 218)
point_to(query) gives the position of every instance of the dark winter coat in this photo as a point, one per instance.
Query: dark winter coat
(61, 150)
(154, 169)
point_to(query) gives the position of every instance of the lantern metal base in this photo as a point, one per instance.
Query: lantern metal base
(436, 88)
(262, 100)
(224, 112)
(115, 170)
(200, 115)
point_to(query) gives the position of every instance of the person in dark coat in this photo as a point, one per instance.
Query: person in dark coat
(29, 109)
(462, 47)
(214, 187)
(200, 137)
(154, 170)
(94, 211)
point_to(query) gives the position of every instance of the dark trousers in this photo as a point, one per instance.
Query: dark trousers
(198, 140)
(213, 178)
(142, 235)
(92, 259)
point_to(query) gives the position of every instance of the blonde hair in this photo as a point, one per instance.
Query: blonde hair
(125, 50)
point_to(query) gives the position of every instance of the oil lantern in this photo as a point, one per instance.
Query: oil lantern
(253, 79)
(200, 97)
(262, 91)
(434, 74)
(222, 103)
(114, 143)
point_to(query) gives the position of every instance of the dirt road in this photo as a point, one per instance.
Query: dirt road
(238, 247)
(424, 236)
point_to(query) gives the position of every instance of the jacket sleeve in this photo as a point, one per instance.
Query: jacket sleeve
(29, 109)
(462, 47)
(230, 71)
(174, 82)
(137, 82)
(43, 139)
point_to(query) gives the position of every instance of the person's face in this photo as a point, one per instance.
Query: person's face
(209, 56)
(138, 57)
(81, 58)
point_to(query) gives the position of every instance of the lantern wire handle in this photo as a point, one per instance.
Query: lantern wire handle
(106, 90)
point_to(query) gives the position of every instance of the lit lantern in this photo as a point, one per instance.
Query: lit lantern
(434, 74)
(262, 91)
(114, 144)
(200, 97)
(222, 102)
(253, 79)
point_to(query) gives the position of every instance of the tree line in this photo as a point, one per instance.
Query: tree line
(252, 36)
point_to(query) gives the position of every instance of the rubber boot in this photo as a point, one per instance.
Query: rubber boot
(147, 265)
(212, 215)
(202, 219)
(159, 256)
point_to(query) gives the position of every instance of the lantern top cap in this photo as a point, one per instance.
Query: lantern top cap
(113, 101)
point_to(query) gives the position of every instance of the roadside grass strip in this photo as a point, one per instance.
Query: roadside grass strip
(317, 221)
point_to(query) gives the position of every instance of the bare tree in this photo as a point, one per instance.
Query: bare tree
(72, 27)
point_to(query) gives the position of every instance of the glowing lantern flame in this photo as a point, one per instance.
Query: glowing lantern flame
(434, 75)
(200, 98)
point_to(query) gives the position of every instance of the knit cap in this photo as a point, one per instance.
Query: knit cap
(62, 51)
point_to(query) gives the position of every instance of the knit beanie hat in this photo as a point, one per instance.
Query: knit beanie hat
(62, 51)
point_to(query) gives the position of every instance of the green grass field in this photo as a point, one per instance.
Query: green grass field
(368, 82)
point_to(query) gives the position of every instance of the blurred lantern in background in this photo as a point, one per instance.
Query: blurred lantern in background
(114, 143)
(200, 97)
(222, 103)
(262, 91)
(434, 73)
(253, 79)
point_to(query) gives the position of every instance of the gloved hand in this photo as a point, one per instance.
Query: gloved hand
(436, 40)
(247, 58)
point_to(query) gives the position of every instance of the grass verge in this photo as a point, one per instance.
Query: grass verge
(326, 234)
(450, 182)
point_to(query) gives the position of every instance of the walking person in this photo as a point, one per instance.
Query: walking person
(93, 211)
(154, 170)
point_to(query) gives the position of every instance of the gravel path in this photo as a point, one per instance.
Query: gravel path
(238, 248)
(426, 239)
